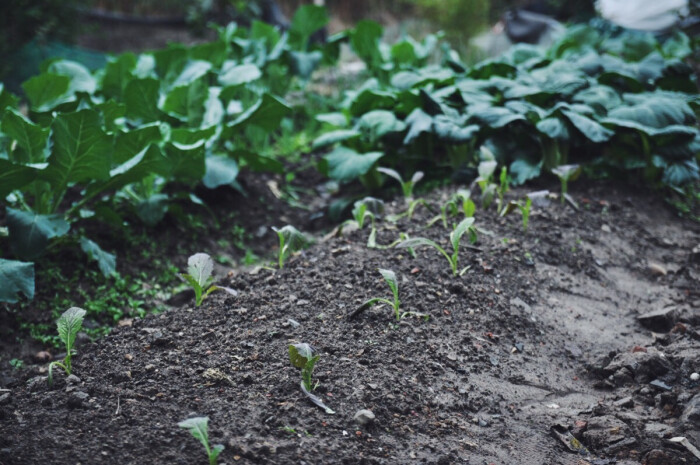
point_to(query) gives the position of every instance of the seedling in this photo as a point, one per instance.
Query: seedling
(566, 173)
(503, 186)
(291, 240)
(302, 356)
(460, 200)
(390, 278)
(199, 269)
(406, 186)
(466, 225)
(198, 427)
(523, 207)
(369, 207)
(68, 326)
(486, 169)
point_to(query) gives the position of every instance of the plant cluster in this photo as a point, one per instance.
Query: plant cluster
(122, 140)
(616, 103)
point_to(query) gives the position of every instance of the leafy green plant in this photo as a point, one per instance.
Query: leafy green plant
(302, 356)
(199, 428)
(566, 173)
(464, 226)
(406, 186)
(200, 267)
(390, 278)
(69, 325)
(290, 240)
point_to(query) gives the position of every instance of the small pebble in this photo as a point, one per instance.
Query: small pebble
(364, 417)
(695, 376)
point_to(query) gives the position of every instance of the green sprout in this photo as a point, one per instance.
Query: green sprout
(369, 207)
(198, 427)
(406, 186)
(466, 225)
(566, 173)
(199, 270)
(460, 200)
(302, 356)
(523, 207)
(291, 240)
(503, 187)
(390, 278)
(69, 325)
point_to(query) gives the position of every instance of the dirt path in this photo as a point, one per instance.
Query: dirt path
(541, 332)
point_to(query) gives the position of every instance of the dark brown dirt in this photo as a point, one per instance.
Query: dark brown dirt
(540, 332)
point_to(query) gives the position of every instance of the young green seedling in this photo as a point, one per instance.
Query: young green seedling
(566, 173)
(466, 225)
(524, 208)
(406, 186)
(291, 240)
(198, 427)
(199, 269)
(459, 200)
(503, 186)
(390, 278)
(302, 356)
(486, 169)
(68, 326)
(369, 207)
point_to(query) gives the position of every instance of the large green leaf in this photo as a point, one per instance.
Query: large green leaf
(305, 63)
(7, 99)
(15, 176)
(149, 160)
(130, 143)
(46, 91)
(141, 98)
(82, 151)
(233, 74)
(80, 78)
(344, 164)
(364, 40)
(186, 161)
(186, 102)
(333, 137)
(266, 113)
(193, 71)
(30, 232)
(590, 128)
(418, 122)
(377, 123)
(221, 170)
(105, 260)
(31, 139)
(306, 20)
(117, 74)
(16, 277)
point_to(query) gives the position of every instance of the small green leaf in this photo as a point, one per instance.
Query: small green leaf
(221, 171)
(16, 277)
(300, 354)
(200, 266)
(69, 324)
(458, 232)
(106, 261)
(198, 427)
(390, 278)
(31, 138)
(306, 20)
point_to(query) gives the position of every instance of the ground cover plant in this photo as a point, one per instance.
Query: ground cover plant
(106, 145)
(618, 103)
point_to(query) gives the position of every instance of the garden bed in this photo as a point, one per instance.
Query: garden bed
(538, 339)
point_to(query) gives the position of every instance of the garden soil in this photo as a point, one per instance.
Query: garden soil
(572, 343)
